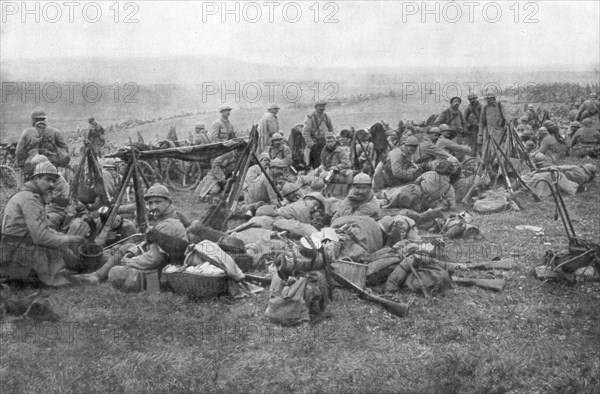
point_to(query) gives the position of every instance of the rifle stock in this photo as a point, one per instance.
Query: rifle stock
(395, 308)
(488, 284)
(494, 265)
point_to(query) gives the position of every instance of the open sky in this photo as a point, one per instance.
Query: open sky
(309, 33)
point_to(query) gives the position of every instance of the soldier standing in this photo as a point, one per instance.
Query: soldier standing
(315, 127)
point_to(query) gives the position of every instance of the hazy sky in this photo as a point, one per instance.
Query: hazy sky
(360, 33)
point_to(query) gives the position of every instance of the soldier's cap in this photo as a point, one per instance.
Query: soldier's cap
(316, 196)
(543, 130)
(37, 159)
(38, 113)
(289, 188)
(587, 122)
(109, 162)
(362, 179)
(594, 95)
(277, 163)
(45, 168)
(444, 127)
(412, 141)
(330, 135)
(200, 125)
(490, 94)
(273, 106)
(317, 185)
(276, 136)
(158, 190)
(434, 130)
(225, 108)
(321, 103)
(455, 98)
(385, 223)
(530, 106)
(548, 123)
(590, 167)
(576, 124)
(539, 158)
(264, 155)
(472, 96)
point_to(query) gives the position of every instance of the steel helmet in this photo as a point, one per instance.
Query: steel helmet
(225, 108)
(412, 141)
(45, 168)
(317, 196)
(37, 159)
(593, 95)
(38, 113)
(472, 96)
(264, 155)
(539, 158)
(109, 162)
(278, 163)
(362, 179)
(276, 136)
(587, 122)
(444, 127)
(158, 190)
(543, 130)
(490, 94)
(590, 167)
(290, 188)
(434, 130)
(273, 106)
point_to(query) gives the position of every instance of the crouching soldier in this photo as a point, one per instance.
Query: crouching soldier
(361, 200)
(123, 265)
(214, 181)
(586, 141)
(28, 242)
(398, 167)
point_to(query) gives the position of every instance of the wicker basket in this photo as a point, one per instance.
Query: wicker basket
(196, 286)
(354, 272)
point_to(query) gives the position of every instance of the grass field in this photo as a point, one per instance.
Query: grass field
(531, 338)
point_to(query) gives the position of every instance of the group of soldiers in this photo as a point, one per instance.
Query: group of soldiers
(322, 176)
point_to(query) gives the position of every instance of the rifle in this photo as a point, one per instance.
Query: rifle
(395, 308)
(366, 155)
(493, 265)
(480, 167)
(488, 284)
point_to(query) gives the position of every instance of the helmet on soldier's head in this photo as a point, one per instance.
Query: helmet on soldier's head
(528, 133)
(276, 136)
(45, 168)
(412, 141)
(277, 163)
(591, 168)
(37, 159)
(225, 108)
(158, 190)
(472, 96)
(273, 106)
(109, 162)
(548, 123)
(593, 95)
(289, 188)
(362, 179)
(530, 106)
(444, 127)
(587, 122)
(317, 196)
(264, 155)
(321, 103)
(575, 125)
(530, 144)
(490, 94)
(543, 130)
(330, 135)
(38, 113)
(539, 158)
(434, 130)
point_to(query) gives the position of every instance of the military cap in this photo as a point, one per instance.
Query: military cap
(38, 113)
(289, 188)
(412, 141)
(455, 98)
(576, 124)
(587, 122)
(490, 94)
(276, 136)
(385, 223)
(317, 196)
(472, 96)
(362, 179)
(590, 167)
(548, 123)
(278, 163)
(225, 108)
(330, 134)
(434, 130)
(539, 158)
(45, 168)
(530, 106)
(158, 190)
(321, 103)
(543, 130)
(444, 127)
